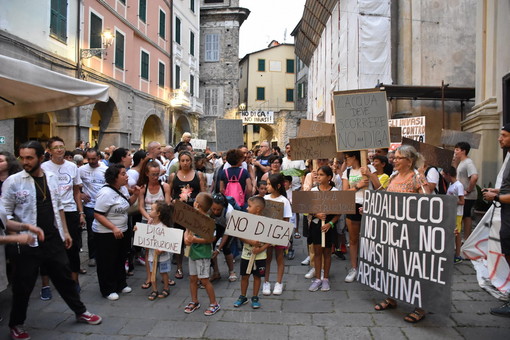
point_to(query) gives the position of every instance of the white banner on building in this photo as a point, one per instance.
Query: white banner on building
(257, 117)
(412, 127)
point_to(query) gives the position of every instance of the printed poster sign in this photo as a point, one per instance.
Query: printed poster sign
(328, 202)
(259, 228)
(361, 120)
(229, 134)
(158, 237)
(257, 117)
(412, 127)
(406, 247)
(193, 220)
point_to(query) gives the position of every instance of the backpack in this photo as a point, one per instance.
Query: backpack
(441, 187)
(234, 188)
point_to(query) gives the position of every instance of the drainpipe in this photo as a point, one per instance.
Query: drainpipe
(78, 67)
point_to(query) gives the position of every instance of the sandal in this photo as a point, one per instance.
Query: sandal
(178, 274)
(415, 316)
(297, 235)
(191, 307)
(212, 309)
(215, 277)
(232, 277)
(171, 282)
(164, 293)
(387, 303)
(153, 295)
(146, 285)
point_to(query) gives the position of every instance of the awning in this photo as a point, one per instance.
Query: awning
(27, 89)
(412, 92)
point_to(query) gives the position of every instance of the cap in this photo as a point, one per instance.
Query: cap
(506, 127)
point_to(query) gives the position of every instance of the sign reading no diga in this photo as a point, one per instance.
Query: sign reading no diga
(158, 237)
(361, 120)
(406, 247)
(257, 117)
(229, 134)
(259, 228)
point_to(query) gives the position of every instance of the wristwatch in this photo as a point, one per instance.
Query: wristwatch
(496, 198)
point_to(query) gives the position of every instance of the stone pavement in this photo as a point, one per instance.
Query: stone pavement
(345, 312)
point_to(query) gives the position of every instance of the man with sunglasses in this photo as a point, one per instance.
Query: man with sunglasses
(262, 162)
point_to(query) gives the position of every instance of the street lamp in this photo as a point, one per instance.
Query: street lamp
(106, 41)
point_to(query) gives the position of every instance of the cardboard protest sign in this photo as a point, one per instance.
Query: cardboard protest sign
(328, 202)
(395, 134)
(198, 144)
(452, 137)
(313, 147)
(311, 128)
(229, 134)
(158, 237)
(361, 120)
(412, 127)
(192, 219)
(406, 247)
(273, 209)
(433, 155)
(259, 228)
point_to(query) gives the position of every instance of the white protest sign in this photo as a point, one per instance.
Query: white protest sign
(198, 144)
(412, 127)
(259, 228)
(158, 237)
(257, 117)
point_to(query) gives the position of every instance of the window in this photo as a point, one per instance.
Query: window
(300, 90)
(58, 20)
(213, 1)
(119, 50)
(212, 47)
(177, 77)
(192, 43)
(290, 65)
(142, 10)
(162, 24)
(178, 30)
(192, 5)
(144, 65)
(289, 95)
(261, 65)
(211, 102)
(261, 93)
(123, 1)
(161, 76)
(96, 27)
(192, 85)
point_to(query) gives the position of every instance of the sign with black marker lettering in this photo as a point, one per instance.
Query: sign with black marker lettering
(319, 147)
(406, 247)
(259, 228)
(312, 128)
(193, 220)
(361, 120)
(229, 134)
(327, 202)
(273, 209)
(158, 237)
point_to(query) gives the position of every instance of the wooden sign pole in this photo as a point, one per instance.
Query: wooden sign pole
(154, 267)
(250, 264)
(323, 234)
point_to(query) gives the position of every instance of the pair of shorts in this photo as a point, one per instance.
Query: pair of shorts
(356, 216)
(468, 207)
(200, 268)
(259, 270)
(315, 234)
(458, 224)
(163, 267)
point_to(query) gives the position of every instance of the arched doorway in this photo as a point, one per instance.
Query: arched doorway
(103, 119)
(152, 131)
(255, 133)
(181, 125)
(36, 127)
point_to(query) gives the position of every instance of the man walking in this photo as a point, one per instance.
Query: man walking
(32, 196)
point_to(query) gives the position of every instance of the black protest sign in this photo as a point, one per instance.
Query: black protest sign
(406, 247)
(361, 120)
(452, 137)
(193, 220)
(229, 134)
(327, 202)
(433, 155)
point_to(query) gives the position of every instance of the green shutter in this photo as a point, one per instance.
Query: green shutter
(290, 65)
(192, 85)
(162, 24)
(161, 80)
(192, 5)
(290, 95)
(261, 93)
(178, 30)
(262, 65)
(177, 76)
(119, 50)
(58, 20)
(142, 10)
(192, 43)
(145, 66)
(96, 26)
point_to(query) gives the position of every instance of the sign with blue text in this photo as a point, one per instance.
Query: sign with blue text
(406, 247)
(361, 120)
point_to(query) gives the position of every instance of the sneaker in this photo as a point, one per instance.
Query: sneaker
(457, 260)
(325, 285)
(339, 254)
(315, 285)
(19, 332)
(113, 297)
(278, 288)
(503, 310)
(306, 261)
(241, 301)
(351, 276)
(140, 260)
(255, 304)
(45, 294)
(88, 317)
(291, 254)
(266, 288)
(310, 274)
(92, 262)
(126, 290)
(212, 309)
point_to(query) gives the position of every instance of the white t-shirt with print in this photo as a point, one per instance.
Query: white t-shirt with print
(67, 177)
(114, 208)
(93, 180)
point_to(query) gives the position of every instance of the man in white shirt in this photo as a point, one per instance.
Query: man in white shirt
(92, 177)
(288, 163)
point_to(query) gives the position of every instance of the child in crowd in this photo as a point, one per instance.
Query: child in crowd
(161, 215)
(322, 223)
(456, 189)
(287, 183)
(276, 192)
(200, 261)
(262, 188)
(256, 205)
